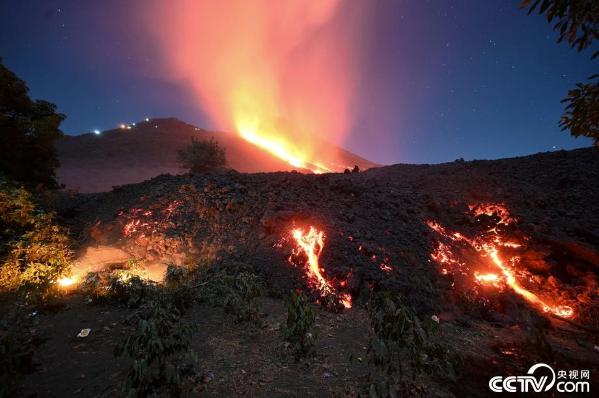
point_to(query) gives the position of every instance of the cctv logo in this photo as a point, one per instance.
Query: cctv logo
(531, 383)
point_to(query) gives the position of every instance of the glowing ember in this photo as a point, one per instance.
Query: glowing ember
(488, 245)
(66, 281)
(311, 245)
(147, 222)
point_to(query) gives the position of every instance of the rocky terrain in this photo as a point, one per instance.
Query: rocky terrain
(377, 237)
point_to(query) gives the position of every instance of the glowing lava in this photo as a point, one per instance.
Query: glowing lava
(488, 245)
(311, 245)
(279, 147)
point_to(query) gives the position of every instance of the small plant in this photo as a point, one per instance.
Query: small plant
(160, 350)
(130, 290)
(399, 337)
(93, 287)
(176, 282)
(202, 156)
(241, 292)
(174, 275)
(298, 328)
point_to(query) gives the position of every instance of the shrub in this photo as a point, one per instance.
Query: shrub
(241, 292)
(130, 290)
(160, 350)
(35, 251)
(298, 328)
(92, 286)
(177, 283)
(202, 156)
(399, 336)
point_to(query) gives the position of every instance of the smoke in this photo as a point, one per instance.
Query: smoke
(280, 71)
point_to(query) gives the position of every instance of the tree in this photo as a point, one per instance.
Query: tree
(202, 156)
(582, 110)
(28, 130)
(578, 24)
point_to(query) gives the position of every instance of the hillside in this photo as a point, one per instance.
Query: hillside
(501, 255)
(96, 163)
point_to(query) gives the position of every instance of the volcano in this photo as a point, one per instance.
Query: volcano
(136, 152)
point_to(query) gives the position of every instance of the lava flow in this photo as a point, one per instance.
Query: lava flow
(491, 244)
(282, 148)
(311, 244)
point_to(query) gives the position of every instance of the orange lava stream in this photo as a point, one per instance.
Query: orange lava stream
(489, 246)
(311, 244)
(281, 149)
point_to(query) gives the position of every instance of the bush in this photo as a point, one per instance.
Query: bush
(93, 287)
(399, 336)
(35, 251)
(177, 283)
(240, 294)
(160, 350)
(298, 328)
(202, 156)
(130, 290)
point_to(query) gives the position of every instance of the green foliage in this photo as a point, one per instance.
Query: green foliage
(93, 287)
(240, 294)
(28, 131)
(298, 329)
(177, 283)
(130, 290)
(160, 350)
(577, 22)
(35, 251)
(582, 110)
(400, 337)
(202, 156)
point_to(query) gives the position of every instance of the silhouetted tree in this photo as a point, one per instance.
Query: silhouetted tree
(578, 24)
(28, 130)
(202, 156)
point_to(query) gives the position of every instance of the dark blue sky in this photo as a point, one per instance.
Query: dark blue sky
(441, 80)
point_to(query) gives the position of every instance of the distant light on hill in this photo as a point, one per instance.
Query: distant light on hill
(97, 132)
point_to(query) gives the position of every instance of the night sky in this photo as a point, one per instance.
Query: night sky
(441, 79)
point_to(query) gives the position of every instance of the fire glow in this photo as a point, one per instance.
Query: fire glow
(279, 147)
(277, 73)
(67, 281)
(311, 244)
(491, 245)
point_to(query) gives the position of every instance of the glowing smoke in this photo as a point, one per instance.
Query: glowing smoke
(276, 72)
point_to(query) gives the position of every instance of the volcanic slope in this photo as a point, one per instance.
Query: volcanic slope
(96, 163)
(377, 238)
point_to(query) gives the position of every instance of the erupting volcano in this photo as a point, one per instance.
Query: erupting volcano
(496, 263)
(282, 78)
